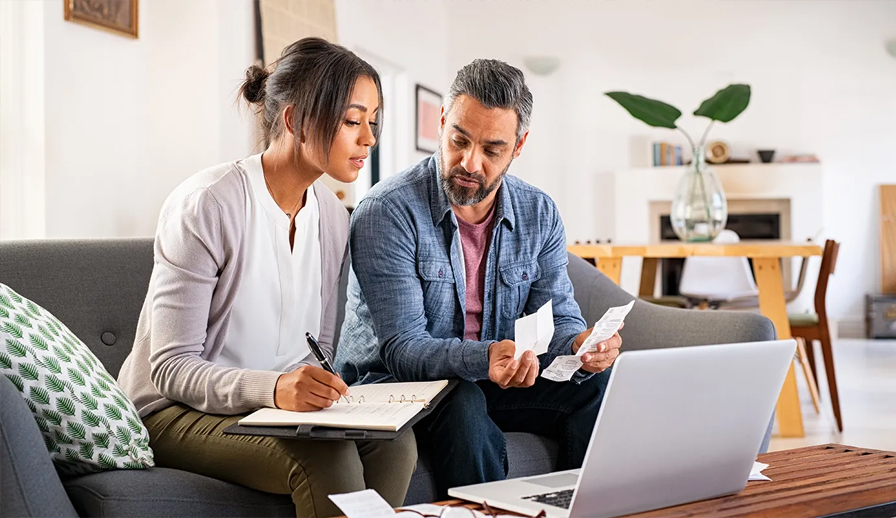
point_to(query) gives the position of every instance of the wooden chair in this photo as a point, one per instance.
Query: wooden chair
(814, 326)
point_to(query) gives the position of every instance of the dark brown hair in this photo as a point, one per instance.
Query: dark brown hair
(317, 78)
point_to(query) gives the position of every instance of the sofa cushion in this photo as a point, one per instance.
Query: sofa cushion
(169, 492)
(87, 422)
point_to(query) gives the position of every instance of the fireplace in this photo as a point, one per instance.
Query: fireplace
(751, 219)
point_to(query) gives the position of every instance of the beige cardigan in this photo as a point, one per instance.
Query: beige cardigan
(199, 252)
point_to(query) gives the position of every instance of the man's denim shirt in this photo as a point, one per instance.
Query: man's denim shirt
(407, 291)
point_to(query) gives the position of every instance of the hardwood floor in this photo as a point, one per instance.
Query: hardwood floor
(866, 377)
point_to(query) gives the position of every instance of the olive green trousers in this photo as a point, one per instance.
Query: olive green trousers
(309, 471)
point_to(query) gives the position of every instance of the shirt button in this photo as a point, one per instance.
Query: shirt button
(441, 274)
(525, 276)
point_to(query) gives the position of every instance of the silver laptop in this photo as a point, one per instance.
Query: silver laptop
(676, 425)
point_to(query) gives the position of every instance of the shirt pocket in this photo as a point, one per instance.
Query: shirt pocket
(439, 293)
(516, 280)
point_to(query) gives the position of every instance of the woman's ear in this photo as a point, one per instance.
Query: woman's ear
(288, 123)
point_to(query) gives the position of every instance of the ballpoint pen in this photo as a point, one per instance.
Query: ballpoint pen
(321, 358)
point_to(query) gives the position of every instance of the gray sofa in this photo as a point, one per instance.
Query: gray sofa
(96, 287)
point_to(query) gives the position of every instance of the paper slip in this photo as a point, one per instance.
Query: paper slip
(362, 504)
(755, 473)
(605, 328)
(562, 368)
(534, 332)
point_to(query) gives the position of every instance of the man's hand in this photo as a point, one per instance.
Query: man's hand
(308, 388)
(606, 353)
(507, 372)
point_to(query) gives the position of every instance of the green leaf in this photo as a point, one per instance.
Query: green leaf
(31, 406)
(95, 391)
(5, 301)
(135, 425)
(4, 313)
(52, 365)
(101, 439)
(52, 447)
(40, 395)
(119, 401)
(72, 456)
(63, 438)
(66, 406)
(42, 424)
(83, 366)
(15, 296)
(103, 385)
(38, 342)
(33, 308)
(5, 361)
(650, 111)
(89, 402)
(16, 380)
(61, 354)
(53, 383)
(75, 377)
(726, 104)
(54, 327)
(132, 464)
(107, 461)
(123, 435)
(28, 371)
(90, 418)
(45, 332)
(87, 450)
(53, 416)
(77, 430)
(15, 347)
(25, 321)
(112, 412)
(119, 451)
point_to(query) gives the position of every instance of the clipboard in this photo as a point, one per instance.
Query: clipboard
(326, 433)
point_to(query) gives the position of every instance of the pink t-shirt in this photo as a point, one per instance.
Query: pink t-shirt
(475, 240)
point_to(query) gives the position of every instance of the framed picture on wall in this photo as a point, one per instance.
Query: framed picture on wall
(116, 16)
(426, 126)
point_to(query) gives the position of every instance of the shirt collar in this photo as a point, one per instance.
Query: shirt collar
(441, 207)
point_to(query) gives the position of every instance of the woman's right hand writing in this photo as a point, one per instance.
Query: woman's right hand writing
(307, 389)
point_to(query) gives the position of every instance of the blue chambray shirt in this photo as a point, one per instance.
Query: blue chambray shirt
(404, 315)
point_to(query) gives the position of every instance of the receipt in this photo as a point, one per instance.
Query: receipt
(562, 368)
(534, 332)
(605, 328)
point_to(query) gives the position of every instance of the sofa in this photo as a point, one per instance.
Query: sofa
(96, 287)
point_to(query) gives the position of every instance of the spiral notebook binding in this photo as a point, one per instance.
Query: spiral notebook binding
(392, 399)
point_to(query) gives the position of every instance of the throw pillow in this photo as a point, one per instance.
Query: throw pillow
(88, 424)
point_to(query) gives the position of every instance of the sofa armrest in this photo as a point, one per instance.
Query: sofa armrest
(29, 485)
(650, 326)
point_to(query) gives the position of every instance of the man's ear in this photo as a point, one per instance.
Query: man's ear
(442, 115)
(519, 145)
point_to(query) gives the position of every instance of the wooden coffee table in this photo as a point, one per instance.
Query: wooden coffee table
(826, 480)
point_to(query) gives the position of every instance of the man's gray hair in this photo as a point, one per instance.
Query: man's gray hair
(495, 84)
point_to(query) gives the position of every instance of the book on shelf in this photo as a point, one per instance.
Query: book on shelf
(665, 154)
(378, 406)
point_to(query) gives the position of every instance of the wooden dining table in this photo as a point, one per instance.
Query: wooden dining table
(766, 258)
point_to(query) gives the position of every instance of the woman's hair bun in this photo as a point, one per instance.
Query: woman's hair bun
(253, 86)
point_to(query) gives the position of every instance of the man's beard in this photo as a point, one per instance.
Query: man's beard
(464, 196)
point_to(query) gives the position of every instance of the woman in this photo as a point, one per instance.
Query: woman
(248, 256)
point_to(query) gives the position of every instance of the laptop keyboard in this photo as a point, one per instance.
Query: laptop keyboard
(560, 499)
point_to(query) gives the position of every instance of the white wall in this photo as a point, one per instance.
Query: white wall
(127, 120)
(822, 83)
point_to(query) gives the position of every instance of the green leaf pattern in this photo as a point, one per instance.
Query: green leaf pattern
(87, 422)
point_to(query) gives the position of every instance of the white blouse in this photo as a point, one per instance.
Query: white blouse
(279, 298)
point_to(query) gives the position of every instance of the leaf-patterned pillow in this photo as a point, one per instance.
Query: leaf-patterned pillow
(88, 424)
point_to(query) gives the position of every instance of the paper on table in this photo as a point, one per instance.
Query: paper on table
(605, 328)
(534, 332)
(562, 368)
(363, 504)
(755, 472)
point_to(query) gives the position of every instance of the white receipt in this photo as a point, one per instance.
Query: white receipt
(534, 332)
(562, 368)
(605, 328)
(363, 504)
(756, 472)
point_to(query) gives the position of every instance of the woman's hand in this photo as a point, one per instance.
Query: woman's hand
(307, 389)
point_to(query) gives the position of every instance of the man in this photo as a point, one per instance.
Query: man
(445, 257)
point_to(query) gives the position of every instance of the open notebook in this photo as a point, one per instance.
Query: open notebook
(380, 406)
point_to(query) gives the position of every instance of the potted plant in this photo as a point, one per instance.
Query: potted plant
(699, 209)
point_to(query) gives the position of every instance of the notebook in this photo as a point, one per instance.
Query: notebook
(380, 406)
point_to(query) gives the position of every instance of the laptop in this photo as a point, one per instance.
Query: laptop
(676, 426)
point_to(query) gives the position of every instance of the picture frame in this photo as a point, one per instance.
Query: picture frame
(115, 16)
(428, 107)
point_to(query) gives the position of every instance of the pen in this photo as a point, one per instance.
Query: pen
(319, 354)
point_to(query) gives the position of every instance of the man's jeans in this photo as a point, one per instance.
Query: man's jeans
(465, 432)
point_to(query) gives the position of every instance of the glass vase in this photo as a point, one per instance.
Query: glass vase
(699, 209)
